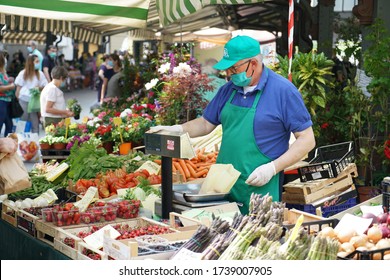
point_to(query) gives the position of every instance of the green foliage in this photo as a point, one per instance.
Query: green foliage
(311, 74)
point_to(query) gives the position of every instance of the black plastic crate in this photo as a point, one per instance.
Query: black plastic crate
(365, 255)
(386, 192)
(328, 162)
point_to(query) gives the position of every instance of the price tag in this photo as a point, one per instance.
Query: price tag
(96, 239)
(186, 255)
(67, 123)
(117, 121)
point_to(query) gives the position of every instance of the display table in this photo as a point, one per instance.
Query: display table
(16, 244)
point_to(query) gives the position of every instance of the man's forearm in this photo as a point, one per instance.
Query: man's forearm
(304, 143)
(198, 127)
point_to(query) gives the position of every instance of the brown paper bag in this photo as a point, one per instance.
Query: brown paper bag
(13, 174)
(219, 179)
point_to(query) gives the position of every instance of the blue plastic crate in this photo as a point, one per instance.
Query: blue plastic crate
(327, 211)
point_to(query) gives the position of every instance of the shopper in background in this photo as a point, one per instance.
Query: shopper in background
(29, 79)
(7, 91)
(213, 74)
(258, 109)
(115, 83)
(32, 48)
(53, 106)
(114, 66)
(102, 69)
(49, 62)
(8, 145)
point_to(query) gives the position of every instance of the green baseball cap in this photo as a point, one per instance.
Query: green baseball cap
(236, 49)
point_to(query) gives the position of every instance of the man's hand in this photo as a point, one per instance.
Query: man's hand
(261, 175)
(8, 146)
(174, 128)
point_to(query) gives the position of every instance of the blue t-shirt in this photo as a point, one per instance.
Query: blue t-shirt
(280, 111)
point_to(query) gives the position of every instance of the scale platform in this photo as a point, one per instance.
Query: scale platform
(186, 197)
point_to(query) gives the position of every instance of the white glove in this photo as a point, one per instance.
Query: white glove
(174, 128)
(261, 175)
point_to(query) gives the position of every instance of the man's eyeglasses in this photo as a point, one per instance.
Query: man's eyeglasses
(234, 69)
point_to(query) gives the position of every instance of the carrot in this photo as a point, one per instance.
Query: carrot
(201, 164)
(185, 169)
(188, 162)
(180, 169)
(201, 173)
(173, 167)
(210, 155)
(158, 161)
(192, 170)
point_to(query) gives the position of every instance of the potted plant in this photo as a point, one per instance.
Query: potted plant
(104, 133)
(46, 142)
(59, 143)
(74, 106)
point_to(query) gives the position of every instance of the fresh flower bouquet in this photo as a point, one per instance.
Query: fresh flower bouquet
(104, 133)
(75, 107)
(132, 129)
(180, 91)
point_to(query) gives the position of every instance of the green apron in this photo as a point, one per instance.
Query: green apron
(239, 148)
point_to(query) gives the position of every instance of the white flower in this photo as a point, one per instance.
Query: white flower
(144, 105)
(126, 112)
(182, 70)
(164, 68)
(97, 125)
(151, 84)
(90, 123)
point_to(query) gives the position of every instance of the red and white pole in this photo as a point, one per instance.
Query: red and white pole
(290, 36)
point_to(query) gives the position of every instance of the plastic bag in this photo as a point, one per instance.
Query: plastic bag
(28, 147)
(34, 105)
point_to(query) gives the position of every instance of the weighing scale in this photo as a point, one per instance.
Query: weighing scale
(179, 197)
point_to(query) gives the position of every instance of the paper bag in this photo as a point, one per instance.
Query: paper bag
(13, 175)
(220, 179)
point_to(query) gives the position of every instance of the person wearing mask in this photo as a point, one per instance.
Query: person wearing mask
(213, 74)
(8, 145)
(53, 106)
(49, 62)
(32, 48)
(258, 109)
(113, 66)
(115, 84)
(6, 94)
(29, 78)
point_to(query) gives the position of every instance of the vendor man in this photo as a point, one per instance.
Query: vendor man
(258, 110)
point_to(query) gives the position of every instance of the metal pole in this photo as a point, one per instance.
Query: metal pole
(166, 186)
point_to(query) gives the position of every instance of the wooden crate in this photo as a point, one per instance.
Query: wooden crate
(26, 222)
(82, 246)
(128, 249)
(9, 213)
(291, 216)
(71, 233)
(297, 192)
(45, 231)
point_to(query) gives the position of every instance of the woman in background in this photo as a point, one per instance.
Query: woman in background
(28, 79)
(6, 95)
(53, 106)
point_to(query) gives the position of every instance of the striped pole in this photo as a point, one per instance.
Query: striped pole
(290, 36)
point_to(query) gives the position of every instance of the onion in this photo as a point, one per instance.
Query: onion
(374, 234)
(384, 244)
(370, 245)
(329, 232)
(342, 254)
(359, 240)
(345, 235)
(347, 247)
(371, 216)
(382, 218)
(385, 230)
(386, 257)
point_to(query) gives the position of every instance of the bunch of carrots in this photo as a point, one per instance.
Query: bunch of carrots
(195, 168)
